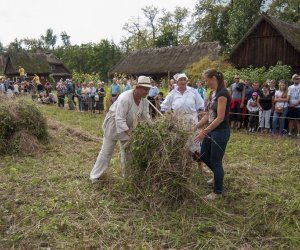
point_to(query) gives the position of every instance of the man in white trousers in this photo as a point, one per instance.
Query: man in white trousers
(122, 117)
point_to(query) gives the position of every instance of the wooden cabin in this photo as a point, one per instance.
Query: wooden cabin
(268, 41)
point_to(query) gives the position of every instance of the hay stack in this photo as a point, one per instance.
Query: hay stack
(23, 129)
(161, 163)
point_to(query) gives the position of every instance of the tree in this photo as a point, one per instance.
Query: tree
(137, 34)
(210, 21)
(15, 46)
(33, 44)
(287, 10)
(242, 15)
(49, 39)
(151, 12)
(65, 39)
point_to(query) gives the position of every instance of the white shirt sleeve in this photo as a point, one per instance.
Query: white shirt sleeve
(145, 113)
(121, 114)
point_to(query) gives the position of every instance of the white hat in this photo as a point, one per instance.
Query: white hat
(144, 81)
(180, 75)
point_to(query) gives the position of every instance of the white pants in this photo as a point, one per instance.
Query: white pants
(105, 156)
(264, 118)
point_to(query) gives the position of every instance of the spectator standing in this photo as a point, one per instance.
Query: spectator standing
(100, 94)
(2, 87)
(16, 89)
(265, 104)
(201, 89)
(247, 90)
(127, 85)
(171, 85)
(114, 90)
(79, 96)
(153, 92)
(61, 93)
(22, 73)
(85, 96)
(237, 102)
(48, 87)
(253, 111)
(70, 90)
(92, 94)
(294, 105)
(281, 107)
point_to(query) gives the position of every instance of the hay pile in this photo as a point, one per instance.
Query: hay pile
(23, 129)
(161, 163)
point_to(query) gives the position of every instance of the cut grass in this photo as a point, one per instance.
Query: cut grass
(48, 201)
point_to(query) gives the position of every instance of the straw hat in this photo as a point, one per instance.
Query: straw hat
(144, 81)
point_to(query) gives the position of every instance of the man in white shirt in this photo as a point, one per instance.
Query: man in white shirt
(123, 116)
(294, 105)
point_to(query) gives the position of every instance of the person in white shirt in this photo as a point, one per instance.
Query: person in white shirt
(16, 89)
(253, 110)
(184, 100)
(294, 104)
(123, 117)
(281, 107)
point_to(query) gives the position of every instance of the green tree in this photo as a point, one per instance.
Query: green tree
(210, 21)
(32, 44)
(15, 46)
(242, 15)
(287, 10)
(65, 39)
(151, 13)
(49, 39)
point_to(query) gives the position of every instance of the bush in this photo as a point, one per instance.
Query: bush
(23, 129)
(277, 72)
(196, 70)
(161, 163)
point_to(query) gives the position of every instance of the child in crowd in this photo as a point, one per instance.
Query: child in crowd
(253, 110)
(159, 99)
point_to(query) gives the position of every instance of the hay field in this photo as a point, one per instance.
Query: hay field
(47, 201)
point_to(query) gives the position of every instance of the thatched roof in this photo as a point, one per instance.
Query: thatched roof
(167, 59)
(290, 32)
(33, 63)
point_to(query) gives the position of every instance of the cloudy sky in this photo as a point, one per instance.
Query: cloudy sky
(84, 20)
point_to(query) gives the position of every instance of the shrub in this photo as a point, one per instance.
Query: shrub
(277, 72)
(23, 129)
(196, 69)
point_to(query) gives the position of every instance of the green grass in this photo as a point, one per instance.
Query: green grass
(48, 201)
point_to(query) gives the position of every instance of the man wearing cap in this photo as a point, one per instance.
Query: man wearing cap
(122, 117)
(294, 105)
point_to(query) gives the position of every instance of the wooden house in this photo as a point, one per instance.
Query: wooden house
(268, 41)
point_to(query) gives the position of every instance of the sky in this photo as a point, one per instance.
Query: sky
(84, 20)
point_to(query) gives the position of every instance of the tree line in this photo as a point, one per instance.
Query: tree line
(210, 20)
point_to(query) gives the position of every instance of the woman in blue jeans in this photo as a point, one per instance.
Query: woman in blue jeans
(217, 131)
(281, 107)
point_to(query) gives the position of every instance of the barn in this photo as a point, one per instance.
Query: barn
(166, 61)
(268, 41)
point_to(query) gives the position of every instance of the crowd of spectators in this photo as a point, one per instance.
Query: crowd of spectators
(270, 108)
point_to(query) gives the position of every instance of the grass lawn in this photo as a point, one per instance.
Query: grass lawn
(47, 200)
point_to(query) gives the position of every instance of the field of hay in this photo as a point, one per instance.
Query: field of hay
(47, 201)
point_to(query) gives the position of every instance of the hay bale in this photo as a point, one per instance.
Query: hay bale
(161, 162)
(22, 126)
